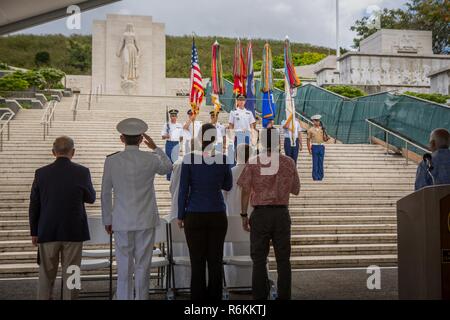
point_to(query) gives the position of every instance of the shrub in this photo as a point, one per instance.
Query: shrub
(228, 76)
(279, 84)
(25, 105)
(278, 74)
(52, 76)
(13, 82)
(35, 79)
(434, 97)
(4, 66)
(347, 91)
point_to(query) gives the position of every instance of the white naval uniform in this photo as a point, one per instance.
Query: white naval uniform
(133, 214)
(236, 276)
(175, 131)
(187, 135)
(182, 273)
(242, 119)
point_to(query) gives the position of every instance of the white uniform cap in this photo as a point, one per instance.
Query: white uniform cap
(316, 117)
(132, 127)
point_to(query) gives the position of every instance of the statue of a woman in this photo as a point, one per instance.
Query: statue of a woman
(129, 52)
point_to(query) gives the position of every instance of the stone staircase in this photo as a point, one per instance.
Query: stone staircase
(347, 220)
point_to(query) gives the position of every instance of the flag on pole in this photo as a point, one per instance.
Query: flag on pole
(268, 104)
(216, 76)
(239, 70)
(197, 91)
(250, 85)
(216, 69)
(291, 82)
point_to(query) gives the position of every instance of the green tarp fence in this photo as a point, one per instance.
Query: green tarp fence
(345, 118)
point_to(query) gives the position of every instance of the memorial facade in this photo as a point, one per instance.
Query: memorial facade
(128, 55)
(387, 60)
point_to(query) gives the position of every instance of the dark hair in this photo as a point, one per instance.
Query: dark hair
(211, 137)
(132, 140)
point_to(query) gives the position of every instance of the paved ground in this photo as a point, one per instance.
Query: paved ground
(349, 284)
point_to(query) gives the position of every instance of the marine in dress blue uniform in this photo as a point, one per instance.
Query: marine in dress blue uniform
(316, 148)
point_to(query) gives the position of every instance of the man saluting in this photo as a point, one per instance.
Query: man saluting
(133, 215)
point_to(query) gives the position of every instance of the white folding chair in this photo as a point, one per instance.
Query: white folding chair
(176, 236)
(160, 259)
(237, 234)
(98, 259)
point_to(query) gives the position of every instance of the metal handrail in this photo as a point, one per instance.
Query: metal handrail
(5, 123)
(388, 132)
(48, 117)
(74, 108)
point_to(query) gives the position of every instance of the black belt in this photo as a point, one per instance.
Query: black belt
(271, 207)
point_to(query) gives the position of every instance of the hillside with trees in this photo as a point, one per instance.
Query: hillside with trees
(73, 54)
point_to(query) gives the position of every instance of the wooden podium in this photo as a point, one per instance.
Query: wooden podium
(423, 225)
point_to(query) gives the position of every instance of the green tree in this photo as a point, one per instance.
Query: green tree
(79, 54)
(430, 15)
(42, 58)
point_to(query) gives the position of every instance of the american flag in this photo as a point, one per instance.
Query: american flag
(197, 91)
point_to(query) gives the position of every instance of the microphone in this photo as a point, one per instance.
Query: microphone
(428, 160)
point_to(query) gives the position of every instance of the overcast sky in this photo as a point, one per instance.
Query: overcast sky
(310, 21)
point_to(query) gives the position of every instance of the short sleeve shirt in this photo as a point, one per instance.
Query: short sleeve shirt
(175, 131)
(242, 119)
(288, 132)
(315, 135)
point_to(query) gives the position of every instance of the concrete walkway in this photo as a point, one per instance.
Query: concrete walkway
(338, 284)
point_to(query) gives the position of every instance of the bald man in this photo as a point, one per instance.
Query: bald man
(439, 172)
(58, 220)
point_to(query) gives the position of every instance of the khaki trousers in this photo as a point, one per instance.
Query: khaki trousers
(49, 255)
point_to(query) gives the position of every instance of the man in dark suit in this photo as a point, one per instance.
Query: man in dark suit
(58, 220)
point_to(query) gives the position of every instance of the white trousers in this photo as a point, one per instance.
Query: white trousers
(134, 250)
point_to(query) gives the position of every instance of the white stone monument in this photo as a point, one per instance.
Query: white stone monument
(388, 60)
(128, 55)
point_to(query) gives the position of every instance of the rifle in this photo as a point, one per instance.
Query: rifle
(167, 122)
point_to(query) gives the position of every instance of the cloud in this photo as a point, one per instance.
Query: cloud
(304, 21)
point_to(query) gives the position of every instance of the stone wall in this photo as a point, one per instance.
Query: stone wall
(174, 86)
(440, 83)
(79, 82)
(389, 70)
(390, 41)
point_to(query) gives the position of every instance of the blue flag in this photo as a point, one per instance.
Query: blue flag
(250, 86)
(268, 108)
